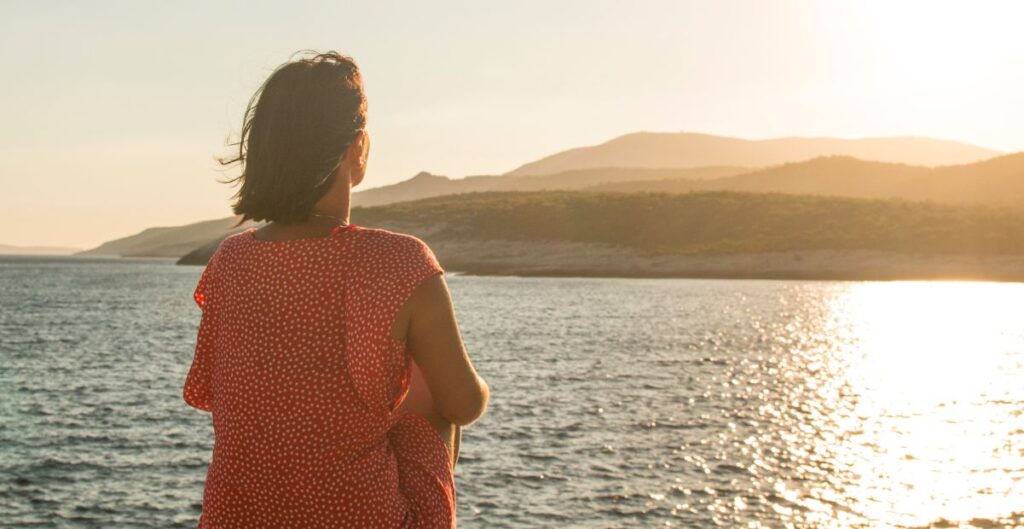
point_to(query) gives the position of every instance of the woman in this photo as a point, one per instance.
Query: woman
(328, 353)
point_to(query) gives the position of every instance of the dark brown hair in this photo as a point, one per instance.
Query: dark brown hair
(295, 132)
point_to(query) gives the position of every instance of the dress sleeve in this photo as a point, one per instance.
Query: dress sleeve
(197, 391)
(419, 263)
(202, 286)
(391, 264)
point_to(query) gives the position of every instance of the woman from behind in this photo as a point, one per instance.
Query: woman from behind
(328, 354)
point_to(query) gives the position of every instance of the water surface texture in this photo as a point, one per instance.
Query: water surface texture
(615, 402)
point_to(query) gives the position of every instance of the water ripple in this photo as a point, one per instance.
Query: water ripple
(616, 403)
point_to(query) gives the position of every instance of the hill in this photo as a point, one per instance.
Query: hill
(682, 149)
(842, 176)
(426, 185)
(170, 241)
(710, 222)
(175, 241)
(996, 181)
(707, 234)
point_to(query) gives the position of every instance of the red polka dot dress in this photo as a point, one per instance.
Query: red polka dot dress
(296, 364)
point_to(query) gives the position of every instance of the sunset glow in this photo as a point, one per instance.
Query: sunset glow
(934, 422)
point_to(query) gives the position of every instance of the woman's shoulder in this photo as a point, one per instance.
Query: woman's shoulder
(237, 237)
(394, 241)
(229, 251)
(397, 249)
(232, 241)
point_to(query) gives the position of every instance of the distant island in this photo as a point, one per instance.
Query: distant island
(818, 213)
(169, 241)
(10, 249)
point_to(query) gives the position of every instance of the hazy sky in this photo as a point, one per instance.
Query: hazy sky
(111, 113)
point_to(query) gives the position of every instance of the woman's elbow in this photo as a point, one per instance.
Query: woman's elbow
(471, 407)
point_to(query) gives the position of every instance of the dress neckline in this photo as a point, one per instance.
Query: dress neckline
(335, 231)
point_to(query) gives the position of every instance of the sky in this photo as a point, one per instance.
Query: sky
(112, 113)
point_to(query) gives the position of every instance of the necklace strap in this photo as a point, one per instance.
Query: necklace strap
(339, 219)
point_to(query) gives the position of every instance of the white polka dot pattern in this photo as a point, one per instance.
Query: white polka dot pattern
(295, 361)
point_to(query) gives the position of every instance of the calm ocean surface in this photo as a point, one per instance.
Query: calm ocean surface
(615, 402)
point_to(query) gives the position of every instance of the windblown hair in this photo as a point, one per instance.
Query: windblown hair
(295, 132)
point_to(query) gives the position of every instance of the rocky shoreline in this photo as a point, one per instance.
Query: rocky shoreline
(575, 259)
(515, 258)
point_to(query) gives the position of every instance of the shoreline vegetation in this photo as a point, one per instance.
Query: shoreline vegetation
(714, 234)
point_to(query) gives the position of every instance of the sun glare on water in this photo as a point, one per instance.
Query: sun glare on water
(935, 418)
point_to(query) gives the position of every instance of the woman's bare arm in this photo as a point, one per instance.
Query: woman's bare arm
(435, 343)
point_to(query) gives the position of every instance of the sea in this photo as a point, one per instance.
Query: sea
(614, 402)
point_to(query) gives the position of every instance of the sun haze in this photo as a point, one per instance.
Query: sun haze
(112, 113)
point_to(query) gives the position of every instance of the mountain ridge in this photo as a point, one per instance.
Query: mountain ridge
(175, 241)
(690, 149)
(998, 180)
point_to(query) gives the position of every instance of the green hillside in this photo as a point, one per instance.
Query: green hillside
(709, 222)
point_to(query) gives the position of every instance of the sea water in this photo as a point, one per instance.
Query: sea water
(615, 402)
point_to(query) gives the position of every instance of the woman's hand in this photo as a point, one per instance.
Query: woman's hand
(420, 402)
